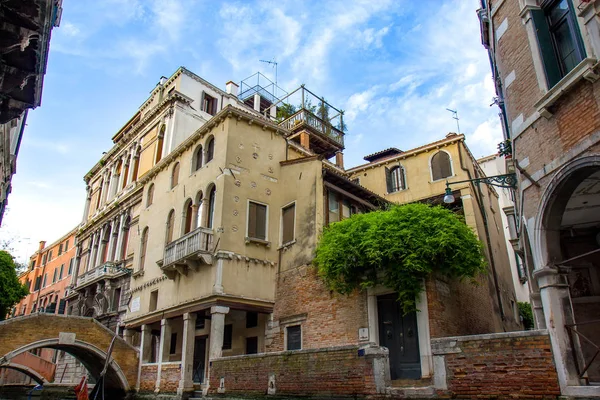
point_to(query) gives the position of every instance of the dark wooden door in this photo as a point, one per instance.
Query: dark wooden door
(199, 359)
(399, 334)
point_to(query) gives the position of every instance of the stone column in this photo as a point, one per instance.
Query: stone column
(112, 240)
(75, 271)
(93, 251)
(186, 383)
(145, 351)
(131, 166)
(163, 350)
(194, 216)
(99, 247)
(122, 176)
(217, 330)
(88, 201)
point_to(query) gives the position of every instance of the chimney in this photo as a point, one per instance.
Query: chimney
(339, 159)
(231, 88)
(42, 245)
(163, 80)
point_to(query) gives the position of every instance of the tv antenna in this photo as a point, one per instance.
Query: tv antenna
(273, 63)
(455, 116)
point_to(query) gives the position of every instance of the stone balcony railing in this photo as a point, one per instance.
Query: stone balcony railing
(188, 251)
(107, 270)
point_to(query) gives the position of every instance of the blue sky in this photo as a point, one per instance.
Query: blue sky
(393, 66)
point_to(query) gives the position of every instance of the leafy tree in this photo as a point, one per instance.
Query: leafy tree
(526, 314)
(11, 290)
(398, 248)
(285, 110)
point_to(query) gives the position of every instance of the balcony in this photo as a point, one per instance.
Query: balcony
(304, 119)
(107, 270)
(189, 251)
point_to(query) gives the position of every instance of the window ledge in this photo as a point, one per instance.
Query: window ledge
(586, 69)
(287, 244)
(258, 241)
(138, 274)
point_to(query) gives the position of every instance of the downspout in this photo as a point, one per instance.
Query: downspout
(487, 236)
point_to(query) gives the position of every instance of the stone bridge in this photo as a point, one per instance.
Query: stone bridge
(84, 338)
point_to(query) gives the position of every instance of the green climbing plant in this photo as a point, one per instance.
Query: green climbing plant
(398, 248)
(526, 314)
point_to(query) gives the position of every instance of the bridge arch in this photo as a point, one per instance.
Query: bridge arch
(84, 338)
(33, 374)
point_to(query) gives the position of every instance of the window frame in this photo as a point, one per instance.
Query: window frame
(286, 339)
(170, 231)
(293, 239)
(252, 238)
(153, 303)
(354, 208)
(391, 182)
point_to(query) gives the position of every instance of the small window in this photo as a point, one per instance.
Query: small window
(60, 275)
(440, 166)
(288, 215)
(520, 268)
(38, 283)
(175, 175)
(334, 207)
(159, 144)
(71, 265)
(143, 247)
(54, 275)
(170, 225)
(395, 179)
(188, 217)
(117, 299)
(228, 337)
(252, 345)
(153, 300)
(61, 306)
(66, 245)
(209, 104)
(32, 264)
(50, 256)
(257, 221)
(294, 337)
(200, 323)
(150, 195)
(210, 149)
(44, 259)
(60, 249)
(211, 207)
(197, 161)
(173, 344)
(45, 279)
(251, 319)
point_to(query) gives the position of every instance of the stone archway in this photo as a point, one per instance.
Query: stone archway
(567, 229)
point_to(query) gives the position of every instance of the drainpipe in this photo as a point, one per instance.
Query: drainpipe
(487, 237)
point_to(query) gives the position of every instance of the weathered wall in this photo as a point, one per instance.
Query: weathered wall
(336, 372)
(502, 365)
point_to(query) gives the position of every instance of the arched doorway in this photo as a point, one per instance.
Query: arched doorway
(568, 269)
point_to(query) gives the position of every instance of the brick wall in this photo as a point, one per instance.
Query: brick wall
(148, 378)
(170, 374)
(328, 319)
(337, 371)
(502, 365)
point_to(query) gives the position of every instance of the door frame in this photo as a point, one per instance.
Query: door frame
(422, 325)
(206, 347)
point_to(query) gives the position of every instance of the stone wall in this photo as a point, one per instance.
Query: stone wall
(148, 377)
(501, 365)
(336, 372)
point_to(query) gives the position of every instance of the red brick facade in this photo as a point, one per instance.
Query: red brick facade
(148, 378)
(512, 365)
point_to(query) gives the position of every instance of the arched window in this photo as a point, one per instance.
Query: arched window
(143, 247)
(175, 175)
(125, 239)
(210, 212)
(150, 195)
(198, 216)
(159, 144)
(188, 216)
(197, 161)
(440, 166)
(99, 199)
(125, 176)
(395, 178)
(170, 225)
(105, 242)
(210, 149)
(136, 167)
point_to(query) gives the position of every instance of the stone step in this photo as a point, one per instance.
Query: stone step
(414, 392)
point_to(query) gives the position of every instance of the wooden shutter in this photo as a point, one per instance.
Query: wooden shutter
(544, 39)
(388, 180)
(170, 223)
(61, 306)
(251, 220)
(288, 223)
(202, 105)
(294, 337)
(257, 221)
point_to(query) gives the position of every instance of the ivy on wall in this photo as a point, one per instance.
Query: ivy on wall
(398, 248)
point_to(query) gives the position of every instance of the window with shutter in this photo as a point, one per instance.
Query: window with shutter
(388, 180)
(440, 166)
(197, 161)
(294, 337)
(334, 207)
(143, 246)
(175, 175)
(62, 267)
(61, 306)
(287, 226)
(54, 275)
(395, 177)
(189, 214)
(257, 221)
(210, 149)
(211, 208)
(71, 265)
(170, 225)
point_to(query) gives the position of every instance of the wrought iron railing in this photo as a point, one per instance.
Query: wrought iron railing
(304, 116)
(198, 240)
(582, 364)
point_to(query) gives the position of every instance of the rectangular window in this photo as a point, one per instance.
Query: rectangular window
(339, 207)
(61, 306)
(228, 337)
(54, 275)
(288, 215)
(33, 264)
(200, 323)
(257, 221)
(71, 266)
(294, 337)
(66, 245)
(209, 104)
(153, 300)
(520, 268)
(62, 267)
(251, 319)
(559, 38)
(117, 299)
(45, 279)
(38, 282)
(44, 259)
(334, 207)
(49, 255)
(252, 345)
(60, 249)
(173, 344)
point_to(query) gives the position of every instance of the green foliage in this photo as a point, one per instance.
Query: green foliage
(11, 290)
(285, 110)
(398, 248)
(526, 314)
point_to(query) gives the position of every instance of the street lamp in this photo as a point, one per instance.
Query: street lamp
(508, 181)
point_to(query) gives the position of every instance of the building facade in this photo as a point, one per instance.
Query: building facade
(495, 165)
(544, 57)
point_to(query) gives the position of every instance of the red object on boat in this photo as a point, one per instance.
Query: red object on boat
(81, 390)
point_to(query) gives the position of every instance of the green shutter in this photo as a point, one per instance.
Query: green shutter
(388, 180)
(547, 53)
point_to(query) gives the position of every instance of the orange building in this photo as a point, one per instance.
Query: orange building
(47, 277)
